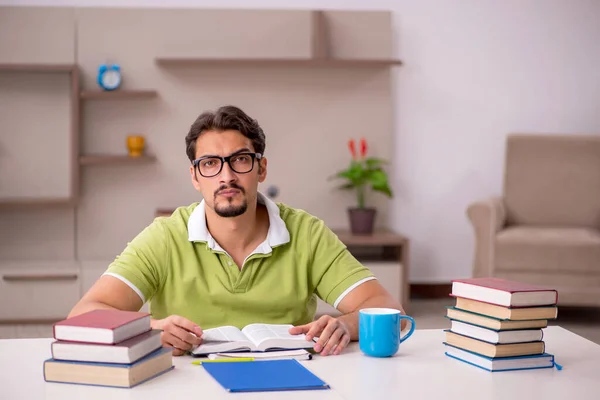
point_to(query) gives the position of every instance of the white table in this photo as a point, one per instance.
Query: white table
(419, 371)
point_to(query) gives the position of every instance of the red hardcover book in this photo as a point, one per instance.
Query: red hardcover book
(503, 292)
(102, 326)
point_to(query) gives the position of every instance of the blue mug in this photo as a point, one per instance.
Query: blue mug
(379, 331)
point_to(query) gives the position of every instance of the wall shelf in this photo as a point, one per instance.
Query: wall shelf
(117, 94)
(277, 62)
(37, 67)
(17, 203)
(163, 212)
(109, 159)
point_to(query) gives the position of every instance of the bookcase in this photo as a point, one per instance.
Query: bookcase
(334, 66)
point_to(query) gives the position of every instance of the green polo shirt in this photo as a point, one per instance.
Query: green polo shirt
(178, 267)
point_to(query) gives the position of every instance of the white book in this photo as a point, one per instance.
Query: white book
(300, 354)
(125, 352)
(492, 336)
(253, 337)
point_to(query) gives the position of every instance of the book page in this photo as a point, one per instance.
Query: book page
(223, 338)
(277, 334)
(223, 334)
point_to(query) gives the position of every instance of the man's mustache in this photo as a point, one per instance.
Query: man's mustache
(230, 186)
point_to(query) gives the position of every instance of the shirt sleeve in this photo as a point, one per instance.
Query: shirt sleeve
(335, 271)
(143, 261)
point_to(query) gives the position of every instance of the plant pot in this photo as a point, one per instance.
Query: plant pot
(362, 220)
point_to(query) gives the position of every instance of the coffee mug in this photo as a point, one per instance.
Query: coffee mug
(379, 331)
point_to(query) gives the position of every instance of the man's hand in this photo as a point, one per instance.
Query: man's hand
(179, 333)
(333, 334)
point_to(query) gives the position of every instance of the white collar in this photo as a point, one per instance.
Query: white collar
(277, 235)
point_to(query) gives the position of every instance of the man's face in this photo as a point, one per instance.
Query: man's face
(229, 192)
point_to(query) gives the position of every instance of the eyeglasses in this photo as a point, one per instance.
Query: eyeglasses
(241, 163)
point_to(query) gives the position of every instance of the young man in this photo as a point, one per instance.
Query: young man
(237, 257)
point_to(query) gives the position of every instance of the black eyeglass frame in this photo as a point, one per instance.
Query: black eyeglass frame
(254, 156)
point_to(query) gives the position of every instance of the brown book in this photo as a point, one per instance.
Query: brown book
(494, 350)
(505, 313)
(494, 323)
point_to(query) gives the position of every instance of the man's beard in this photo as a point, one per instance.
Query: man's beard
(231, 210)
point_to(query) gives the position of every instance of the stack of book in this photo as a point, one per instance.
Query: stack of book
(107, 348)
(498, 324)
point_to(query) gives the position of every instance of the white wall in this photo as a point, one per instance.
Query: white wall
(474, 71)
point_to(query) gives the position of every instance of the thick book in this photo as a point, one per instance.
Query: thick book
(493, 350)
(110, 374)
(253, 337)
(102, 326)
(537, 361)
(492, 322)
(491, 336)
(264, 376)
(506, 313)
(504, 292)
(125, 352)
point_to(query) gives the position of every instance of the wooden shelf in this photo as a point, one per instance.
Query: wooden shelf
(107, 159)
(378, 238)
(117, 94)
(37, 67)
(163, 212)
(33, 202)
(278, 62)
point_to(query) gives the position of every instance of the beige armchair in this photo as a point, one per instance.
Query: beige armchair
(545, 229)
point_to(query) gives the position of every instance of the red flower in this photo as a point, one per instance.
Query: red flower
(352, 147)
(363, 148)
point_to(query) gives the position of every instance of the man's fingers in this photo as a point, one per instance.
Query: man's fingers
(178, 352)
(326, 334)
(317, 327)
(187, 325)
(173, 341)
(342, 345)
(334, 340)
(185, 336)
(296, 330)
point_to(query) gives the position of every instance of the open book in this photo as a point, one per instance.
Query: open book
(253, 337)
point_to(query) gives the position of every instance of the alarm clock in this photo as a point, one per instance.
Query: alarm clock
(109, 76)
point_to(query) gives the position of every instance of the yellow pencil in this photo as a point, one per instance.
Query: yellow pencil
(241, 359)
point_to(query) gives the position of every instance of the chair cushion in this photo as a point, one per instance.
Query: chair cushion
(553, 180)
(524, 248)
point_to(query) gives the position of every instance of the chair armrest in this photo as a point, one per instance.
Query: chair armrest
(487, 217)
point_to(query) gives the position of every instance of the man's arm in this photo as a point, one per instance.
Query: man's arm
(369, 294)
(108, 293)
(141, 264)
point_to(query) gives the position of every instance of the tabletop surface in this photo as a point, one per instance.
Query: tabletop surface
(420, 370)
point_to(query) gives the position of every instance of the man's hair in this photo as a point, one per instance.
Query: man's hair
(225, 118)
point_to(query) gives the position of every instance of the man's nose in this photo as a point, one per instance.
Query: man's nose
(227, 174)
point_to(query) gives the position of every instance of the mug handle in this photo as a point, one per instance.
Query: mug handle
(412, 327)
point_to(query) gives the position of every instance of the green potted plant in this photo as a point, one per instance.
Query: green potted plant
(364, 174)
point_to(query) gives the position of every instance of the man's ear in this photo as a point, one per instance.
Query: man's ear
(194, 176)
(262, 170)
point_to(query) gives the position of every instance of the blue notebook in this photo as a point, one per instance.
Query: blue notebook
(263, 376)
